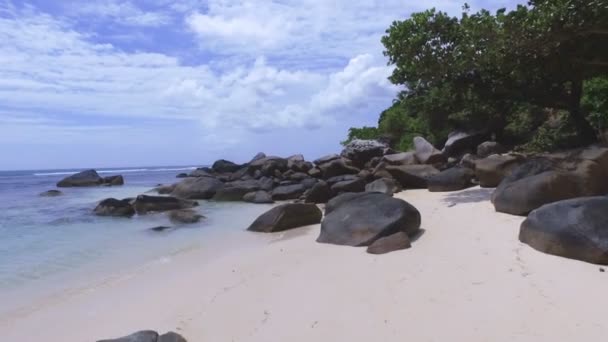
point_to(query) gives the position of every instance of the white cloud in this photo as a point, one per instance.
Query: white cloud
(121, 11)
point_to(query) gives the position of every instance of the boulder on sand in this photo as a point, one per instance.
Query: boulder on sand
(258, 197)
(362, 151)
(319, 193)
(337, 167)
(460, 143)
(492, 170)
(184, 216)
(149, 336)
(403, 158)
(84, 178)
(412, 176)
(384, 185)
(359, 219)
(51, 193)
(287, 216)
(390, 243)
(354, 185)
(197, 188)
(144, 204)
(114, 207)
(426, 153)
(454, 179)
(489, 148)
(574, 229)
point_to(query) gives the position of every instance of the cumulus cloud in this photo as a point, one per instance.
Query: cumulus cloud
(123, 12)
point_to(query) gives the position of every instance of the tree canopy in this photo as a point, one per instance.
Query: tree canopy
(504, 73)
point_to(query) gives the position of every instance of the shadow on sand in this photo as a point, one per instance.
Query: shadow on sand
(468, 196)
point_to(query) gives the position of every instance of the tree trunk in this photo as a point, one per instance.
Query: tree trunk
(585, 130)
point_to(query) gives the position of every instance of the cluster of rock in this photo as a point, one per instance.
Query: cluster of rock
(178, 210)
(89, 178)
(149, 336)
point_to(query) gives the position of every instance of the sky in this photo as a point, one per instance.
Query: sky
(112, 83)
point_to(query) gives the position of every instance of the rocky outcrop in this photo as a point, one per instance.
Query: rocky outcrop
(386, 186)
(362, 151)
(460, 143)
(184, 216)
(353, 185)
(454, 179)
(337, 167)
(51, 193)
(144, 204)
(114, 207)
(319, 193)
(197, 188)
(391, 243)
(326, 159)
(114, 180)
(225, 166)
(574, 229)
(149, 336)
(492, 170)
(84, 178)
(258, 197)
(359, 219)
(287, 216)
(165, 189)
(426, 153)
(489, 148)
(288, 192)
(403, 158)
(412, 176)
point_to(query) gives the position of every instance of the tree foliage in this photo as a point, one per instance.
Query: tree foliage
(499, 72)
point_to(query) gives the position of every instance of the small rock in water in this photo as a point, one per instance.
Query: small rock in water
(602, 269)
(51, 193)
(160, 228)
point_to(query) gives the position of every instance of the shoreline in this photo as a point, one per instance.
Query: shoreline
(287, 287)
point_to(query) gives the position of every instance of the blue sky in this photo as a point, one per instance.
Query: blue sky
(159, 82)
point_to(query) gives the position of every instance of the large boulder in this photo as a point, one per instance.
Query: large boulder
(492, 170)
(114, 180)
(337, 167)
(164, 189)
(403, 158)
(426, 153)
(319, 193)
(225, 166)
(359, 219)
(260, 155)
(326, 159)
(144, 204)
(84, 178)
(412, 176)
(353, 185)
(51, 193)
(287, 216)
(362, 151)
(489, 148)
(197, 188)
(258, 197)
(149, 336)
(386, 186)
(391, 243)
(288, 192)
(234, 191)
(454, 179)
(575, 229)
(200, 172)
(460, 143)
(114, 207)
(186, 216)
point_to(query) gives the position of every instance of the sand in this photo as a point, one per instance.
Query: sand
(467, 278)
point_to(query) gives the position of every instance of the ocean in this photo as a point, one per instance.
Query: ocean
(53, 245)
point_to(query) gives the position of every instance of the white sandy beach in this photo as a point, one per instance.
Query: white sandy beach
(467, 278)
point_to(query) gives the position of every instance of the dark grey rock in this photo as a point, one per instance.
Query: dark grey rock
(84, 178)
(201, 172)
(144, 204)
(403, 158)
(355, 185)
(337, 167)
(258, 197)
(140, 336)
(225, 166)
(454, 179)
(114, 207)
(114, 180)
(287, 216)
(460, 143)
(386, 186)
(492, 170)
(362, 151)
(489, 148)
(575, 229)
(186, 216)
(359, 219)
(412, 176)
(391, 243)
(426, 153)
(51, 193)
(197, 188)
(326, 159)
(288, 192)
(319, 193)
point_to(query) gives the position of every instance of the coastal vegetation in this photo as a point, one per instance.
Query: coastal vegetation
(535, 77)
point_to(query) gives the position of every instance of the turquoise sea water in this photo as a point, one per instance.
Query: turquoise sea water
(50, 244)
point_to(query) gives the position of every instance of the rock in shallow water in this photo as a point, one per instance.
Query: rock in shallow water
(575, 229)
(258, 197)
(114, 207)
(51, 193)
(144, 204)
(84, 178)
(197, 188)
(287, 216)
(359, 219)
(149, 336)
(186, 216)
